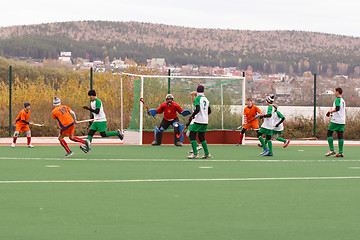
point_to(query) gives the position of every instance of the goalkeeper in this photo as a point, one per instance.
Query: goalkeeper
(170, 109)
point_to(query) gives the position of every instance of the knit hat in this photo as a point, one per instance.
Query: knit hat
(200, 88)
(26, 104)
(56, 101)
(270, 99)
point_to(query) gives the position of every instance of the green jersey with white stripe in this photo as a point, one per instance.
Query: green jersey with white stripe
(203, 116)
(339, 116)
(101, 115)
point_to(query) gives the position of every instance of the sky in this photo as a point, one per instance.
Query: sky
(330, 16)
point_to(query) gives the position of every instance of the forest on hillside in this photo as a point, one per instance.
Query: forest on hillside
(263, 51)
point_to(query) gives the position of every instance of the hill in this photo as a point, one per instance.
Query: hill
(264, 51)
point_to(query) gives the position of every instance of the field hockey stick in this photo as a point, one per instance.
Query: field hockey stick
(88, 120)
(38, 124)
(179, 135)
(142, 100)
(240, 127)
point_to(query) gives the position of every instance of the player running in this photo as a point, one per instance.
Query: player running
(279, 127)
(169, 108)
(267, 128)
(22, 125)
(199, 126)
(99, 124)
(337, 123)
(193, 95)
(250, 113)
(66, 119)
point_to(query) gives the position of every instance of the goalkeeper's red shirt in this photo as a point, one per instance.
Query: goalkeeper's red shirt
(169, 111)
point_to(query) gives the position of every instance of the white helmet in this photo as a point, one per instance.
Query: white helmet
(169, 96)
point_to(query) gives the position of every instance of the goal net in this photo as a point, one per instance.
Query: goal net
(225, 94)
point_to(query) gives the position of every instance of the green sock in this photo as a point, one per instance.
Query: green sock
(113, 133)
(270, 146)
(262, 141)
(194, 145)
(341, 145)
(331, 143)
(206, 150)
(90, 138)
(281, 139)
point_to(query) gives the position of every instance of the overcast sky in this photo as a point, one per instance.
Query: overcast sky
(330, 16)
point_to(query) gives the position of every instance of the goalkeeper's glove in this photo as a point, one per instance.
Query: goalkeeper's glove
(86, 108)
(328, 114)
(148, 112)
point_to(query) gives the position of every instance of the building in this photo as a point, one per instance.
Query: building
(65, 57)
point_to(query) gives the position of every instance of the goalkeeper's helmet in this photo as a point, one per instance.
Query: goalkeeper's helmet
(169, 96)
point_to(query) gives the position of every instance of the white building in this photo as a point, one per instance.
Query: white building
(65, 57)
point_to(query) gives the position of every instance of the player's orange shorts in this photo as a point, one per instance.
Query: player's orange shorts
(69, 131)
(253, 125)
(22, 128)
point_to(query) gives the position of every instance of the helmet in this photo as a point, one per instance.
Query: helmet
(169, 96)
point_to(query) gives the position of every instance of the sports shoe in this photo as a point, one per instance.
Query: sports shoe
(178, 144)
(206, 156)
(192, 156)
(13, 145)
(265, 151)
(155, 143)
(239, 144)
(339, 155)
(84, 149)
(259, 145)
(269, 154)
(330, 153)
(198, 148)
(30, 146)
(286, 143)
(88, 144)
(68, 154)
(120, 135)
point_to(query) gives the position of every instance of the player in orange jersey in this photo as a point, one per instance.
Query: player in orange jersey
(66, 119)
(22, 125)
(250, 112)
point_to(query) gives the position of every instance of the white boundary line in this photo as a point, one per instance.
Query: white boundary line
(179, 160)
(181, 180)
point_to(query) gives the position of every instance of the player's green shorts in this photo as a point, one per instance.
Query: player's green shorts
(277, 132)
(99, 126)
(198, 127)
(336, 127)
(266, 131)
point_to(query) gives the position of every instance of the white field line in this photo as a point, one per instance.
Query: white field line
(181, 180)
(354, 167)
(178, 160)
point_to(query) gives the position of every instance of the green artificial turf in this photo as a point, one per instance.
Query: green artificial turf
(237, 207)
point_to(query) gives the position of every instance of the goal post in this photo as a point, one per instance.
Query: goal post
(226, 95)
